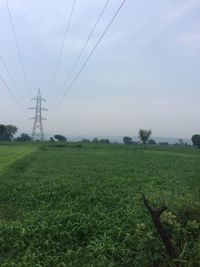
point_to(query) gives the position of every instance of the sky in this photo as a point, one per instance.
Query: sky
(144, 73)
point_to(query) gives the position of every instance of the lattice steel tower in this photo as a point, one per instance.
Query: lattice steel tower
(38, 130)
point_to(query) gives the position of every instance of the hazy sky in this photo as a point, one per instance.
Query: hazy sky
(144, 74)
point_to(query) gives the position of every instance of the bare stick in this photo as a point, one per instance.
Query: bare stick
(164, 234)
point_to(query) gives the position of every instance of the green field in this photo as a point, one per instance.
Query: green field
(80, 205)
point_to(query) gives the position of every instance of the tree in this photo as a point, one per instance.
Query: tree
(104, 141)
(196, 140)
(127, 140)
(3, 133)
(60, 138)
(7, 132)
(151, 142)
(84, 140)
(24, 138)
(181, 142)
(11, 129)
(144, 135)
(95, 140)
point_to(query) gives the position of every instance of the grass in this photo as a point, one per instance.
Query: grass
(80, 205)
(10, 153)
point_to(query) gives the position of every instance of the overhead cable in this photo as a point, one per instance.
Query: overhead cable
(39, 43)
(63, 42)
(89, 56)
(10, 91)
(83, 48)
(11, 78)
(17, 44)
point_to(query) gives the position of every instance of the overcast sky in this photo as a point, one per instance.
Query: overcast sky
(144, 74)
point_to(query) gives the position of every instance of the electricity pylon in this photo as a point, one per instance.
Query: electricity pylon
(38, 131)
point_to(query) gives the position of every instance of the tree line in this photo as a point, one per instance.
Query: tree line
(7, 133)
(144, 136)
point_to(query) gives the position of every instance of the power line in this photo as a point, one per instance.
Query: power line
(39, 42)
(10, 91)
(11, 78)
(89, 56)
(63, 42)
(83, 48)
(17, 45)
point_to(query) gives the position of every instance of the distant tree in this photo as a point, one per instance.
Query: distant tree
(127, 140)
(181, 143)
(85, 140)
(136, 142)
(23, 138)
(51, 139)
(95, 140)
(3, 133)
(151, 142)
(163, 143)
(7, 132)
(144, 135)
(11, 129)
(105, 141)
(196, 140)
(60, 138)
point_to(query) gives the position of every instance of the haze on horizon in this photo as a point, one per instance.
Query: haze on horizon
(144, 74)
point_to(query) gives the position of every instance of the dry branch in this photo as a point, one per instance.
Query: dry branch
(164, 234)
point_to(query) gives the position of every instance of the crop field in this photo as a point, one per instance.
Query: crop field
(80, 205)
